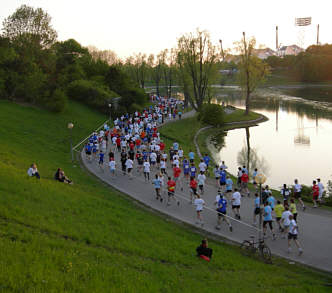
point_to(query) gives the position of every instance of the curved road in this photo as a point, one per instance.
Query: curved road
(315, 233)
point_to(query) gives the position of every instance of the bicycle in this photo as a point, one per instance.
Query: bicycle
(250, 247)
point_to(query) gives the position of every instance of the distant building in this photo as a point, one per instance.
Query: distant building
(289, 50)
(264, 53)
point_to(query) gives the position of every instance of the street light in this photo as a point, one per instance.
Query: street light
(110, 106)
(70, 127)
(260, 179)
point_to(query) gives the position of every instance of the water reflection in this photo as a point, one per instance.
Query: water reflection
(249, 157)
(300, 138)
(294, 143)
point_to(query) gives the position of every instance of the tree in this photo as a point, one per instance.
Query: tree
(198, 58)
(252, 70)
(30, 26)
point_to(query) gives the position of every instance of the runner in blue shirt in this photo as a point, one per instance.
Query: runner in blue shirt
(157, 185)
(193, 170)
(268, 219)
(186, 168)
(101, 160)
(222, 179)
(191, 156)
(222, 211)
(257, 208)
(229, 185)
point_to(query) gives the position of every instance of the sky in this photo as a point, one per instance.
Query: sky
(132, 26)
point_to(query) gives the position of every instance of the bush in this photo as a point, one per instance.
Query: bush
(91, 93)
(58, 101)
(212, 114)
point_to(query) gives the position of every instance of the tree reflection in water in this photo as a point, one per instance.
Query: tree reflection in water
(249, 157)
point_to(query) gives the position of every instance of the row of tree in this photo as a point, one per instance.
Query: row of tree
(313, 65)
(38, 69)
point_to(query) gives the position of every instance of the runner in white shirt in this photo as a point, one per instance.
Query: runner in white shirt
(321, 190)
(201, 181)
(199, 203)
(180, 153)
(112, 165)
(236, 203)
(129, 165)
(176, 162)
(146, 170)
(153, 159)
(202, 166)
(285, 222)
(293, 231)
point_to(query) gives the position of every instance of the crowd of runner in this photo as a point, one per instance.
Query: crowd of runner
(135, 144)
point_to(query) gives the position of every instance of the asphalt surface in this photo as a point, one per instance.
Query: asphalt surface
(315, 225)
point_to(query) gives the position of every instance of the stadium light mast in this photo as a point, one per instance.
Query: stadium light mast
(302, 22)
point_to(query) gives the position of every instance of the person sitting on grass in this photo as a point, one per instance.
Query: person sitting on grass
(60, 176)
(33, 171)
(203, 251)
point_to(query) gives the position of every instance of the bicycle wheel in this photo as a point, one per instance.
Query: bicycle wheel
(266, 254)
(247, 247)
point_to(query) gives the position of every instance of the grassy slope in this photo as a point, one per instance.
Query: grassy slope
(88, 237)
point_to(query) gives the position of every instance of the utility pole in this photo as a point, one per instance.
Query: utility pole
(277, 42)
(317, 34)
(222, 50)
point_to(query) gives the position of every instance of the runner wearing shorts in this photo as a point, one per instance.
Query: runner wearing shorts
(268, 220)
(292, 235)
(236, 203)
(193, 189)
(297, 189)
(222, 211)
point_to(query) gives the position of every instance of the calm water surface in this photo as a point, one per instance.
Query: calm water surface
(296, 141)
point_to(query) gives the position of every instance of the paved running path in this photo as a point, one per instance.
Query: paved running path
(315, 226)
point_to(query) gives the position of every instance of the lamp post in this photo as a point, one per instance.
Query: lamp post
(70, 127)
(110, 106)
(260, 179)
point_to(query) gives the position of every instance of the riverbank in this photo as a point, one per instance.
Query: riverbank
(89, 236)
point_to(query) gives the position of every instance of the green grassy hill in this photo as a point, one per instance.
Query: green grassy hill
(88, 237)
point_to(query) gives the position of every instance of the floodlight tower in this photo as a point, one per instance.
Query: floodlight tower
(302, 22)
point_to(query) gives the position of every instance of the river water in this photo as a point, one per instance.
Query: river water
(296, 141)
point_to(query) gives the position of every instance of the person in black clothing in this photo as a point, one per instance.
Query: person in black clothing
(61, 177)
(203, 249)
(123, 156)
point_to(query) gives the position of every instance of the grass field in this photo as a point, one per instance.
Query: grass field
(88, 237)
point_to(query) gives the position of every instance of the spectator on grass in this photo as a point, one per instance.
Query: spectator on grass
(60, 176)
(204, 251)
(33, 171)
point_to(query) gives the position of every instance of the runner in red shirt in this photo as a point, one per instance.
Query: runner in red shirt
(118, 143)
(315, 193)
(193, 189)
(171, 191)
(244, 183)
(162, 146)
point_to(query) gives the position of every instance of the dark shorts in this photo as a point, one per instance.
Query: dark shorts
(257, 211)
(201, 187)
(170, 193)
(278, 219)
(297, 194)
(129, 170)
(229, 190)
(88, 153)
(235, 207)
(194, 190)
(244, 184)
(217, 178)
(221, 214)
(292, 236)
(267, 222)
(222, 183)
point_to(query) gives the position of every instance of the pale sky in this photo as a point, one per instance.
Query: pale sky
(132, 26)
